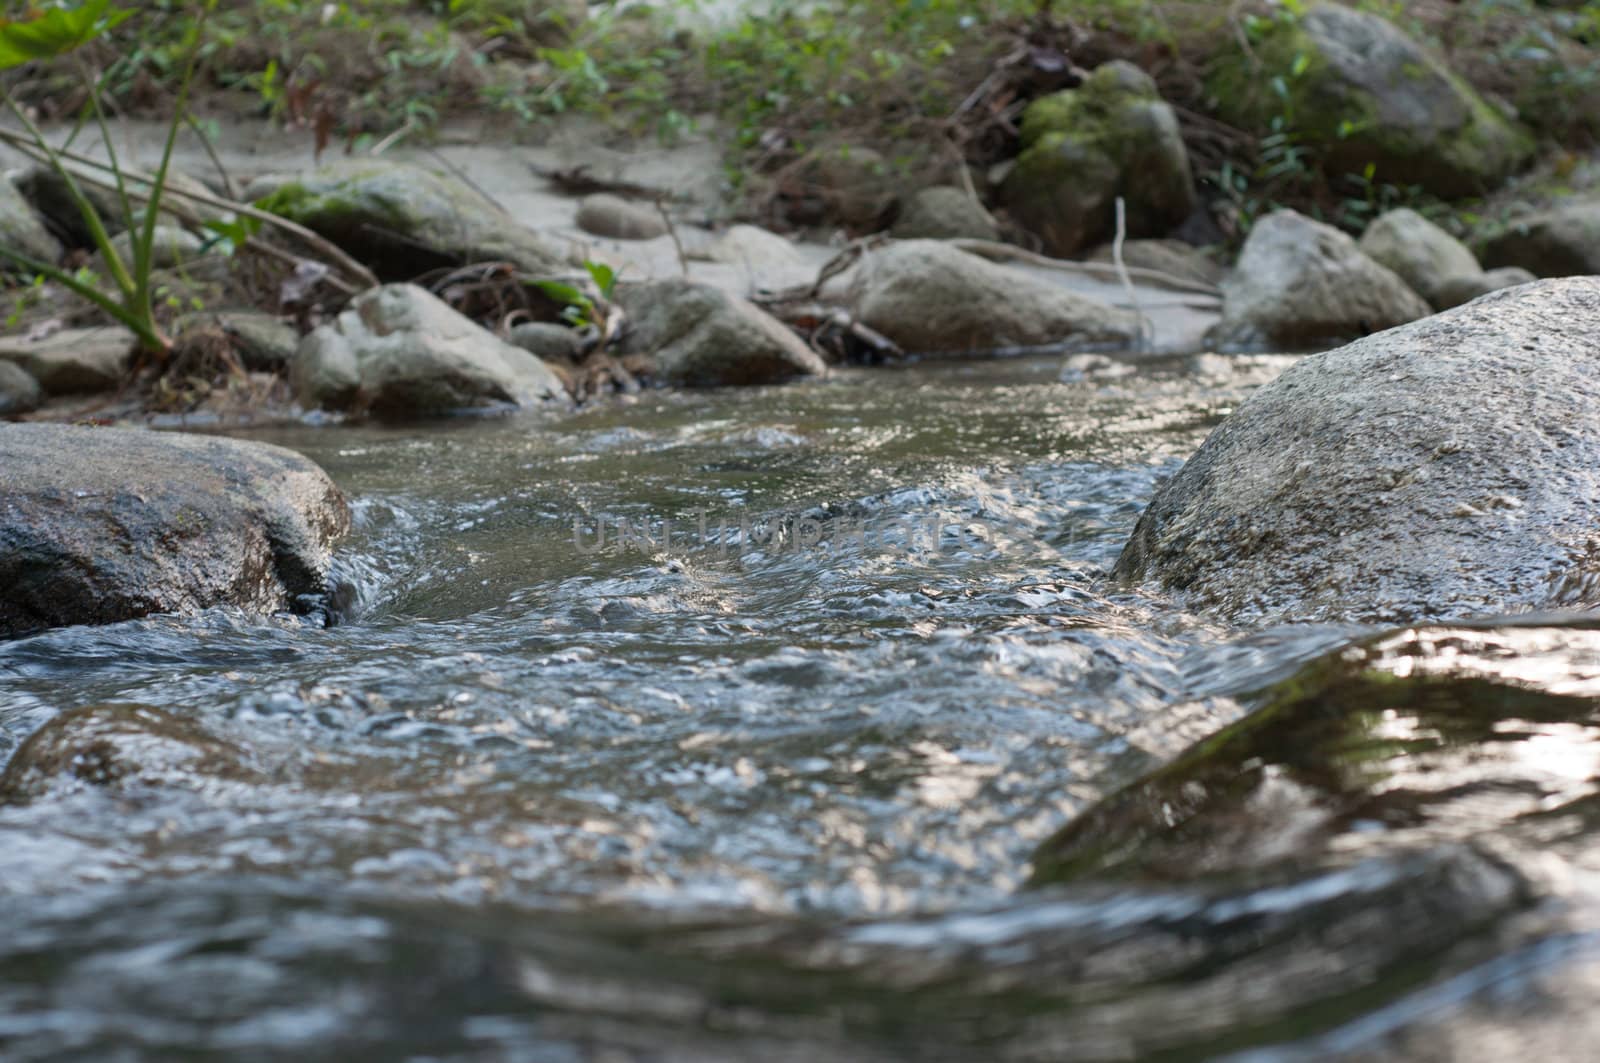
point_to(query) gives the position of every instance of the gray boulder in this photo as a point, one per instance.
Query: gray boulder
(1366, 93)
(764, 259)
(944, 213)
(1458, 290)
(929, 297)
(1443, 469)
(403, 220)
(1173, 257)
(1083, 148)
(21, 230)
(1302, 285)
(19, 392)
(73, 361)
(1564, 242)
(603, 214)
(107, 524)
(172, 247)
(399, 351)
(1419, 252)
(546, 340)
(702, 336)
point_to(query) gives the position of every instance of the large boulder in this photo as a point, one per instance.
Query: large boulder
(1302, 285)
(21, 230)
(944, 212)
(1564, 242)
(72, 361)
(1082, 148)
(403, 220)
(399, 350)
(19, 392)
(99, 525)
(702, 336)
(1419, 252)
(1355, 85)
(1447, 468)
(929, 297)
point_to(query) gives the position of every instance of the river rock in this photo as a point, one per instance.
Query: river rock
(21, 230)
(121, 748)
(1420, 253)
(703, 336)
(403, 220)
(73, 361)
(1172, 257)
(1302, 285)
(399, 350)
(848, 185)
(265, 343)
(19, 392)
(1446, 468)
(1364, 92)
(944, 213)
(1564, 242)
(1458, 290)
(171, 247)
(930, 297)
(764, 259)
(603, 214)
(547, 340)
(1082, 148)
(48, 193)
(106, 524)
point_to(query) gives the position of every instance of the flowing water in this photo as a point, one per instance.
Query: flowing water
(771, 785)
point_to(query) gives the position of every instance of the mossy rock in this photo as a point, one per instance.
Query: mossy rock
(1082, 148)
(403, 220)
(1361, 92)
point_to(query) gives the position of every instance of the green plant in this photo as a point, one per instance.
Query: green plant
(579, 308)
(58, 31)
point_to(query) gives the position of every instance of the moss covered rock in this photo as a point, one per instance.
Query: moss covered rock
(1361, 92)
(403, 220)
(1082, 148)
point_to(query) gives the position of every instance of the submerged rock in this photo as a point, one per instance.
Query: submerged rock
(99, 525)
(1564, 242)
(1458, 290)
(944, 213)
(1420, 253)
(22, 230)
(1082, 148)
(19, 392)
(1302, 285)
(1421, 738)
(403, 220)
(1447, 468)
(1366, 93)
(74, 361)
(400, 351)
(604, 214)
(120, 748)
(929, 297)
(702, 336)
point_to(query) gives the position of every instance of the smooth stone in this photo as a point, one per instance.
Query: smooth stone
(1419, 252)
(74, 361)
(604, 214)
(702, 336)
(19, 392)
(944, 212)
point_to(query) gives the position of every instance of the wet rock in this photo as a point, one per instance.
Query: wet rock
(403, 220)
(21, 230)
(1082, 148)
(604, 214)
(120, 748)
(19, 392)
(1302, 285)
(1446, 468)
(400, 351)
(74, 361)
(702, 336)
(1420, 253)
(1419, 738)
(1367, 93)
(847, 185)
(265, 343)
(1173, 257)
(928, 297)
(99, 525)
(1564, 242)
(547, 340)
(1458, 290)
(944, 213)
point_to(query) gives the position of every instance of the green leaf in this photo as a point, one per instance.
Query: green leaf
(605, 278)
(56, 30)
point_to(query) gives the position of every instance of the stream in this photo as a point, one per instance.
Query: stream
(763, 774)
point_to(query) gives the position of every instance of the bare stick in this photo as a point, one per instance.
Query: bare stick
(1127, 281)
